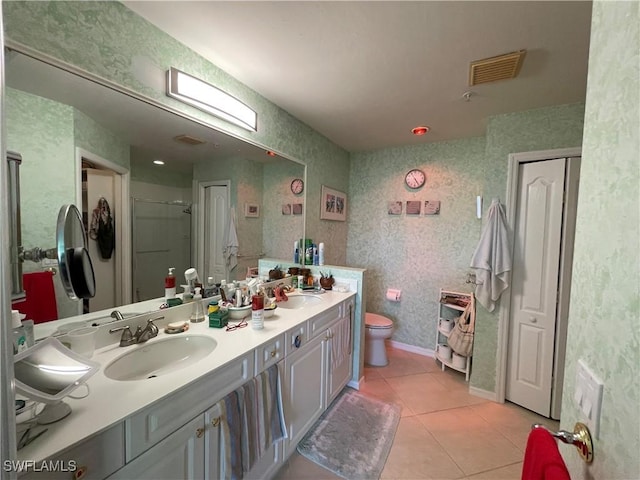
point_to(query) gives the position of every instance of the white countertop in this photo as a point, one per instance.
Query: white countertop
(111, 401)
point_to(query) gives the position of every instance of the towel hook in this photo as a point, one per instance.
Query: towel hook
(580, 438)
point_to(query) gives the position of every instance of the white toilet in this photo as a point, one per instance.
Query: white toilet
(377, 329)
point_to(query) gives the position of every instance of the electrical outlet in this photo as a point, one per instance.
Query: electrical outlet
(588, 396)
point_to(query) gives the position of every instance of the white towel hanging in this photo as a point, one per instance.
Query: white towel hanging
(492, 258)
(230, 250)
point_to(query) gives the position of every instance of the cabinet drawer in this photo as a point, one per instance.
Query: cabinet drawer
(269, 353)
(321, 321)
(96, 458)
(156, 422)
(296, 338)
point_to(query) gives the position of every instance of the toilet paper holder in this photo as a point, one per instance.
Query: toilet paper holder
(393, 294)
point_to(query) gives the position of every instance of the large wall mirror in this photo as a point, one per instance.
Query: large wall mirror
(82, 142)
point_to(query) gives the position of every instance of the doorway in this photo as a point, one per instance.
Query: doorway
(98, 178)
(214, 201)
(542, 202)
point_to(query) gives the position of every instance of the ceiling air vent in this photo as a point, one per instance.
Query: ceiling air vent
(497, 68)
(189, 140)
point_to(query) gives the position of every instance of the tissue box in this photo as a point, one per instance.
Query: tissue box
(219, 319)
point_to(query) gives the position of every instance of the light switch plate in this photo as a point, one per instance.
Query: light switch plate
(588, 396)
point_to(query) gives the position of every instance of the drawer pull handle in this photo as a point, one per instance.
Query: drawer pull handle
(215, 422)
(273, 354)
(297, 341)
(199, 432)
(80, 473)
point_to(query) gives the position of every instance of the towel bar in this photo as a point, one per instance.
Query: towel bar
(580, 438)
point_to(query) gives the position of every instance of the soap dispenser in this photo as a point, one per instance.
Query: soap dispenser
(170, 285)
(197, 313)
(19, 334)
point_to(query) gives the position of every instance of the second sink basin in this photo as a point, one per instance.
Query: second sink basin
(300, 301)
(160, 357)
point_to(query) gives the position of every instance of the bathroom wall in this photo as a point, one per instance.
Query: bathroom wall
(604, 328)
(422, 254)
(112, 42)
(93, 137)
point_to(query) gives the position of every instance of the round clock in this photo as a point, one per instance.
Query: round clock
(297, 186)
(415, 178)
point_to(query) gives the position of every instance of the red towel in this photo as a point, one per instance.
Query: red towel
(40, 302)
(542, 459)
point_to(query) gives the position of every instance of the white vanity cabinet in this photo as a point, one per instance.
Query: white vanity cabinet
(94, 459)
(311, 379)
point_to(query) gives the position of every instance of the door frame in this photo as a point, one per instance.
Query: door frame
(515, 160)
(198, 227)
(122, 218)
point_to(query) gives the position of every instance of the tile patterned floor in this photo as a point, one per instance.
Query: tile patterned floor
(444, 432)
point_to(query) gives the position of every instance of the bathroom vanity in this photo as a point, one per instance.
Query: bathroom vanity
(169, 426)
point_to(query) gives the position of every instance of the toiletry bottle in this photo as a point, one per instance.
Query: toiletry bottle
(257, 311)
(197, 312)
(19, 335)
(170, 285)
(224, 293)
(316, 257)
(296, 253)
(321, 253)
(187, 296)
(210, 290)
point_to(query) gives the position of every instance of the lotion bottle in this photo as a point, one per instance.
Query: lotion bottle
(321, 253)
(197, 313)
(170, 285)
(257, 311)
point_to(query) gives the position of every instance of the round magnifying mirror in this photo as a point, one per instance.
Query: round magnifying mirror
(75, 264)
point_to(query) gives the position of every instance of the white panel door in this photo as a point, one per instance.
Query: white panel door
(538, 233)
(215, 219)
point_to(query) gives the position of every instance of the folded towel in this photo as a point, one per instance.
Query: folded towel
(542, 459)
(492, 258)
(253, 420)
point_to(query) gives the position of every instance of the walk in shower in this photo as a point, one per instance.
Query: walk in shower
(161, 236)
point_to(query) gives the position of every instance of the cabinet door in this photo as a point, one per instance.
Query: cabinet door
(213, 445)
(180, 455)
(340, 346)
(304, 389)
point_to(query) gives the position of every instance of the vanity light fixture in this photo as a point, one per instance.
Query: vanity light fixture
(158, 162)
(210, 99)
(421, 130)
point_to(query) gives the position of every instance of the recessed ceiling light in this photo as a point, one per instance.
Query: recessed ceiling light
(158, 162)
(270, 153)
(421, 130)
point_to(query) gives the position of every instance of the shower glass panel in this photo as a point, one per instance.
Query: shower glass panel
(161, 239)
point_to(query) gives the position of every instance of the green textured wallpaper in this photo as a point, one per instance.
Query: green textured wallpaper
(604, 319)
(96, 139)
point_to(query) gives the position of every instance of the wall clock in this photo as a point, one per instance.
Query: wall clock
(297, 186)
(415, 178)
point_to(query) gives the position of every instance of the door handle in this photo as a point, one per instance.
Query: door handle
(533, 319)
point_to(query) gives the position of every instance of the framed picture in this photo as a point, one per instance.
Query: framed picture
(286, 209)
(394, 208)
(251, 210)
(432, 207)
(333, 204)
(296, 209)
(413, 207)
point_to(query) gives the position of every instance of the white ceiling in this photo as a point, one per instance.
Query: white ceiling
(365, 73)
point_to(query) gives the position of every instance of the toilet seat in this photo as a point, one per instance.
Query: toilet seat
(375, 321)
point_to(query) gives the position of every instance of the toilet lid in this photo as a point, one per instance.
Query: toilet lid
(373, 320)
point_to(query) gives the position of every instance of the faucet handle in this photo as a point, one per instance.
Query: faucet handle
(127, 337)
(152, 326)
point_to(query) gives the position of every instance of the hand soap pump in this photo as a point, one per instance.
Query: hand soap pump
(197, 313)
(19, 334)
(170, 285)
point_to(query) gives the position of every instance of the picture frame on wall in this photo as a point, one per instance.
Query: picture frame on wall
(333, 204)
(286, 209)
(432, 207)
(296, 208)
(251, 210)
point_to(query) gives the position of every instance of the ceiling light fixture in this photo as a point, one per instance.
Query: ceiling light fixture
(421, 130)
(270, 153)
(210, 99)
(158, 162)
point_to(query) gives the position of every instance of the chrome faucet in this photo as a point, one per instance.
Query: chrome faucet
(150, 330)
(117, 315)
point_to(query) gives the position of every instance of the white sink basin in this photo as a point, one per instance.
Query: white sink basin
(157, 358)
(300, 301)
